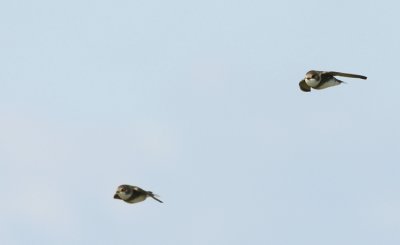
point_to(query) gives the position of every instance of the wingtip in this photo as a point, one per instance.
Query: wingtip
(304, 87)
(158, 200)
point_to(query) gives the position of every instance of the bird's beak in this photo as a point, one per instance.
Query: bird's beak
(116, 196)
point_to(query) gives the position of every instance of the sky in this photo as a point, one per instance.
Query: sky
(198, 101)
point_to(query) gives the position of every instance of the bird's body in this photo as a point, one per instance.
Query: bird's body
(133, 194)
(323, 79)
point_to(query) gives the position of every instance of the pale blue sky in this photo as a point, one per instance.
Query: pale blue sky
(198, 101)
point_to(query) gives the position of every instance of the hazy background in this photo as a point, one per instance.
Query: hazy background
(198, 101)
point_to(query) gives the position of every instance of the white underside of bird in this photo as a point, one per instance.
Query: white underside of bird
(138, 199)
(314, 83)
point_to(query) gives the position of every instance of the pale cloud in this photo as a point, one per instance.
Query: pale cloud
(381, 214)
(30, 151)
(36, 203)
(29, 139)
(209, 75)
(45, 214)
(154, 141)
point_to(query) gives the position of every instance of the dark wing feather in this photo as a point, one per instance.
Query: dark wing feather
(341, 74)
(304, 87)
(151, 194)
(137, 191)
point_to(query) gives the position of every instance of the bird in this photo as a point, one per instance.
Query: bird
(324, 79)
(133, 194)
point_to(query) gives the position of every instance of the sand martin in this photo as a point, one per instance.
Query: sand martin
(133, 194)
(323, 79)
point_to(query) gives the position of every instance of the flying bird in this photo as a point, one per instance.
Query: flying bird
(133, 194)
(323, 79)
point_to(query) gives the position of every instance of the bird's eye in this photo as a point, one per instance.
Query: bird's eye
(123, 190)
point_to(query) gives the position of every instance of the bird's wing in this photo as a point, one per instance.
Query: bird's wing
(341, 74)
(154, 196)
(138, 189)
(304, 87)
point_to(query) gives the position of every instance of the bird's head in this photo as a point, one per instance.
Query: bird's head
(312, 78)
(312, 75)
(123, 192)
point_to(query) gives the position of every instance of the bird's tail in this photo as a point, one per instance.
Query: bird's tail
(154, 196)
